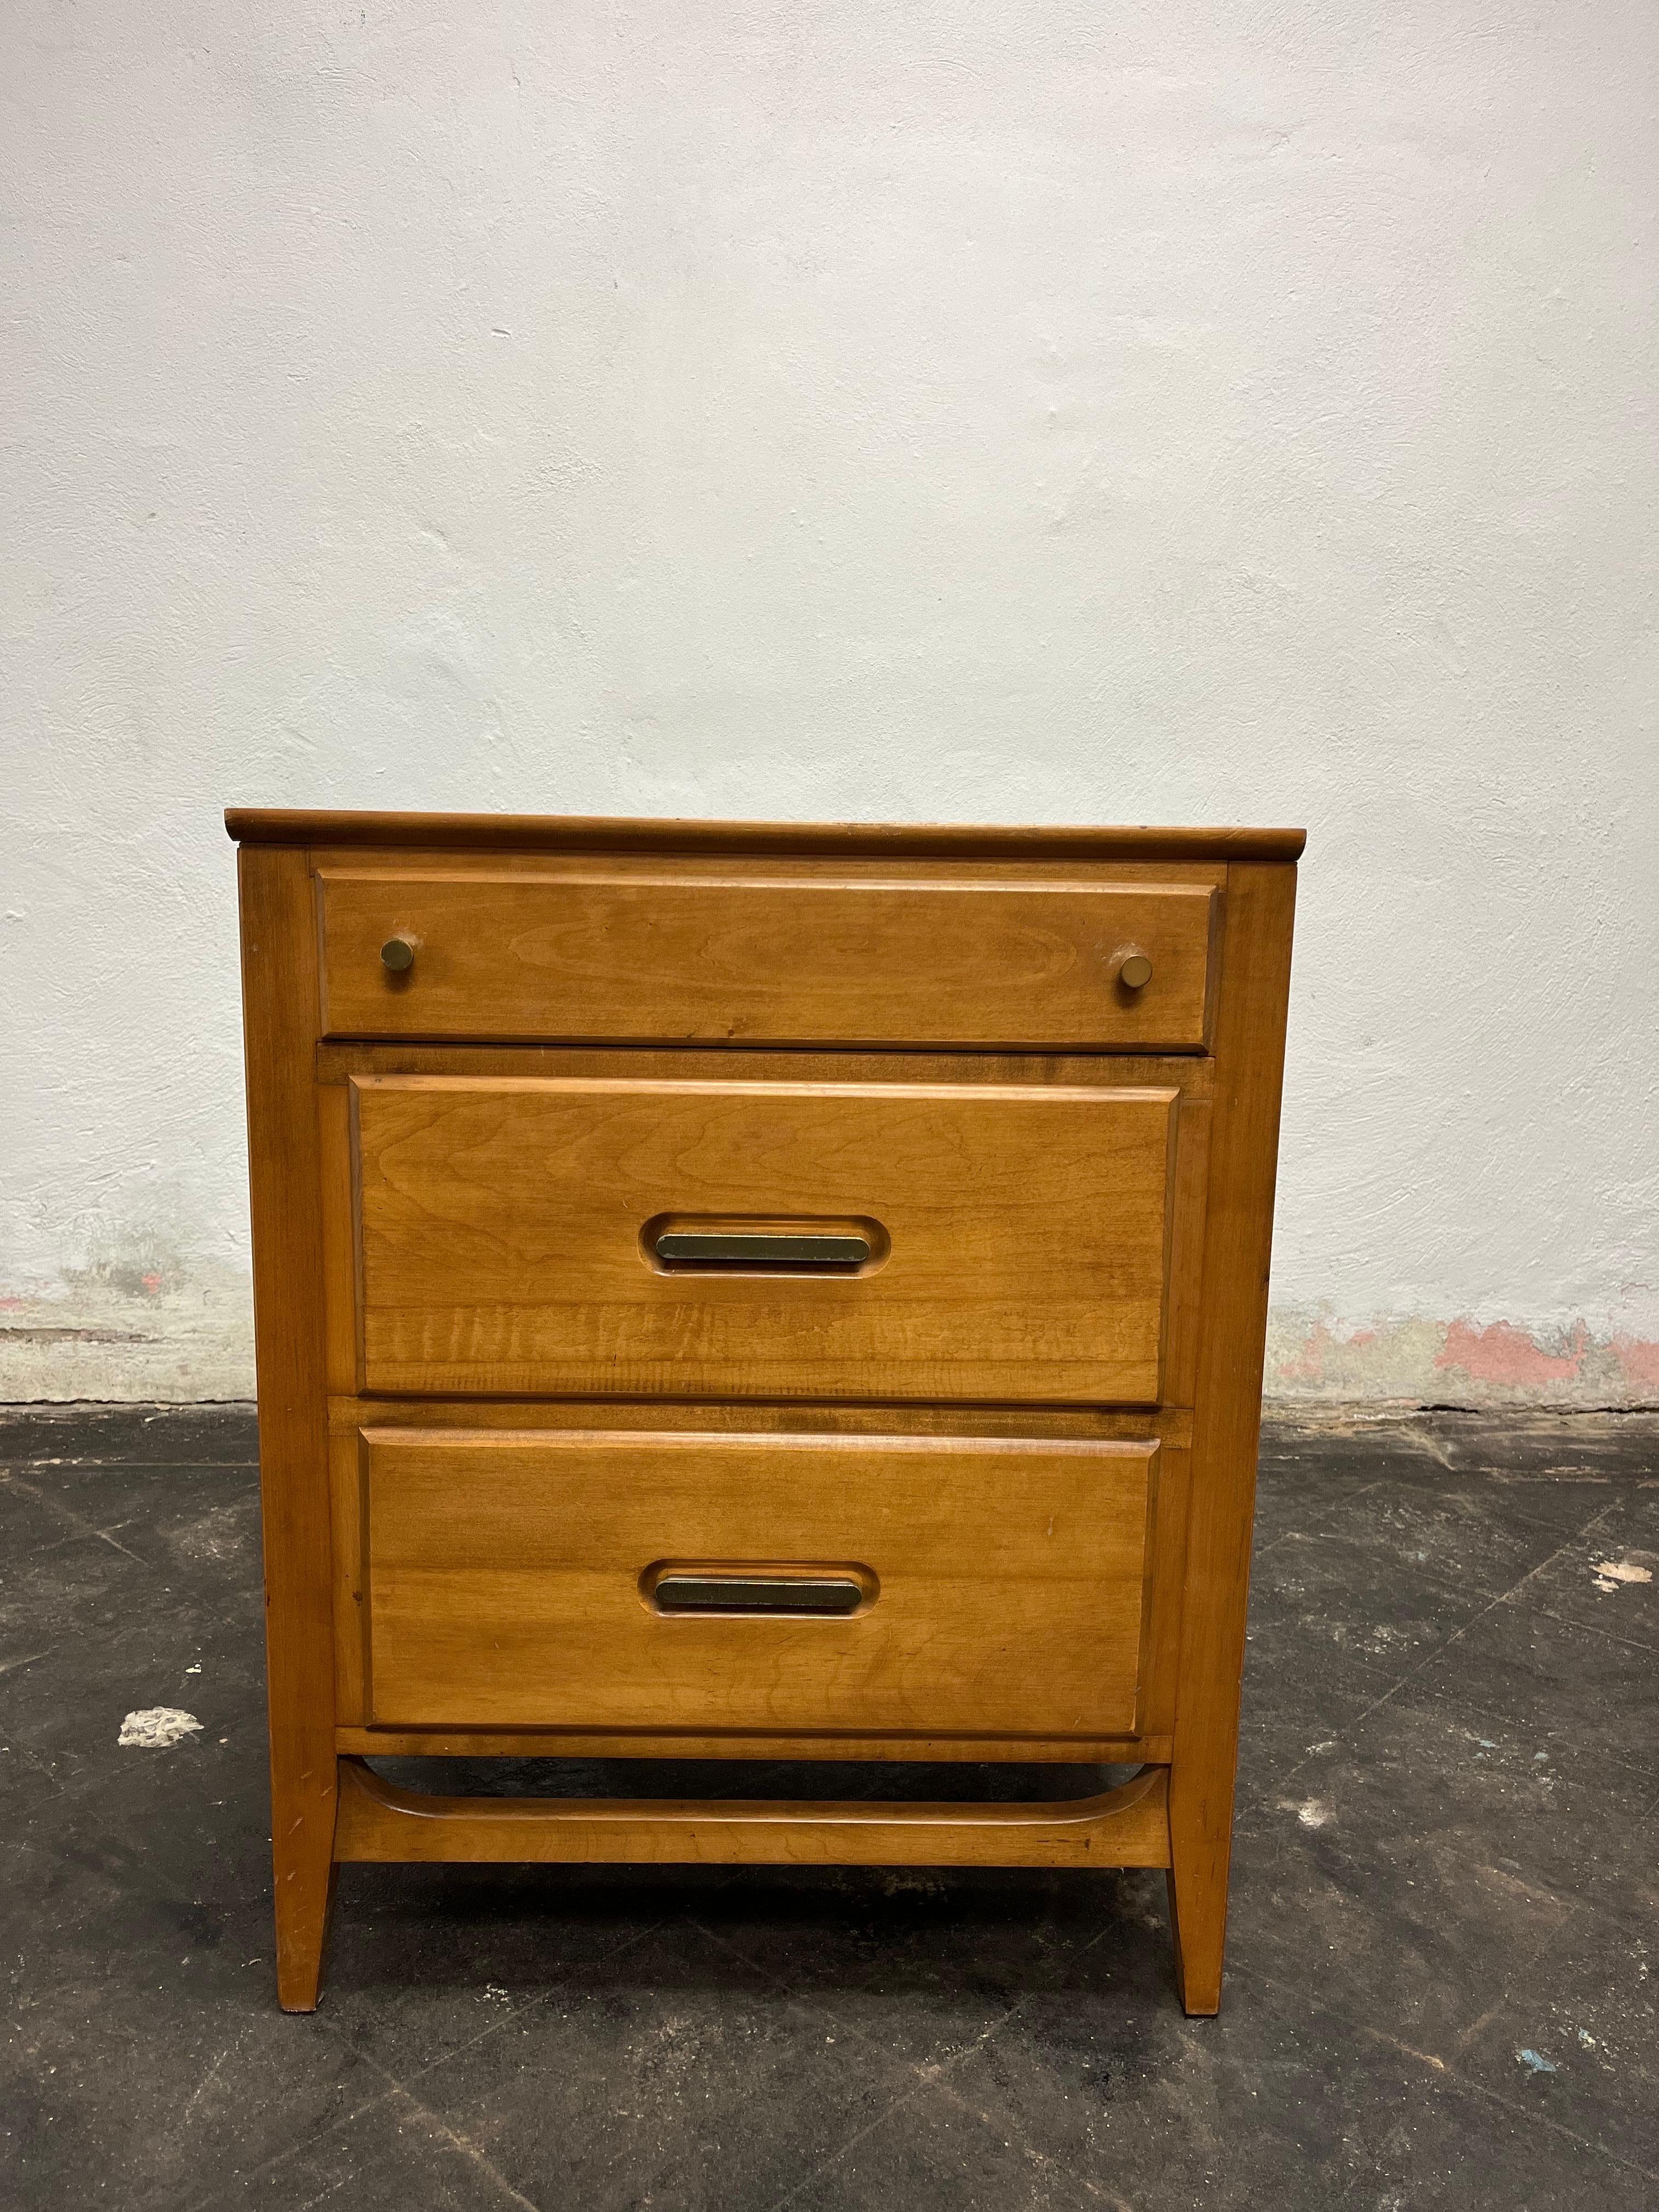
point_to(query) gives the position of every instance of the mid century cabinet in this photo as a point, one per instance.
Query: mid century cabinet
(759, 1290)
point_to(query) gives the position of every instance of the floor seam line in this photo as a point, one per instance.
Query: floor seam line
(1464, 2082)
(1569, 1921)
(1350, 1491)
(898, 2104)
(242, 2181)
(467, 2147)
(517, 2012)
(1440, 1650)
(929, 2077)
(75, 1522)
(1114, 2203)
(732, 1951)
(1565, 1620)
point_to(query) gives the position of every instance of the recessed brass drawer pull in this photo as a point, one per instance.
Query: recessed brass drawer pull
(816, 1594)
(765, 1250)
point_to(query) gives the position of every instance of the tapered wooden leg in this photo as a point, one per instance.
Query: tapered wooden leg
(1200, 1840)
(280, 999)
(302, 1857)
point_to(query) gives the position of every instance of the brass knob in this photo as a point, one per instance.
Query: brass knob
(398, 954)
(1136, 972)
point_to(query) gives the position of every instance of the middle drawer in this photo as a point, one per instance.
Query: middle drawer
(570, 1237)
(588, 1579)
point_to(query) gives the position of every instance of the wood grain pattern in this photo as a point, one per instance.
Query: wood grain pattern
(501, 1223)
(528, 833)
(749, 960)
(764, 867)
(1165, 1560)
(1169, 1425)
(279, 1001)
(336, 1063)
(1145, 1749)
(345, 1475)
(1123, 1828)
(1183, 1268)
(1190, 1076)
(342, 1291)
(505, 1581)
(1249, 1063)
(1165, 1557)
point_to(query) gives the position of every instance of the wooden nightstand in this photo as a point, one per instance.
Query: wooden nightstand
(759, 1290)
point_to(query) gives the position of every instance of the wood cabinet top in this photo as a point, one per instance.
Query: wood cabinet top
(560, 833)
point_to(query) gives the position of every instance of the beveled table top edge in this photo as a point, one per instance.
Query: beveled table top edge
(556, 833)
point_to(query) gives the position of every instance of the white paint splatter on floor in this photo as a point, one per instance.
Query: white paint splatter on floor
(1611, 1573)
(1312, 1812)
(158, 1727)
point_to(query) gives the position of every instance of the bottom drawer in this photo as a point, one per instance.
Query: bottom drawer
(943, 1585)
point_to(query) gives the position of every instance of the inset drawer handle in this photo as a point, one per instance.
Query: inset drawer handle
(763, 1249)
(781, 1593)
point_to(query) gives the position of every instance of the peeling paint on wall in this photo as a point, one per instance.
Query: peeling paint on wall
(1503, 1354)
(1416, 1362)
(1639, 1361)
(175, 1344)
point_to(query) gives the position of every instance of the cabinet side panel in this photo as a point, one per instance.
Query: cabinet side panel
(1227, 1414)
(279, 997)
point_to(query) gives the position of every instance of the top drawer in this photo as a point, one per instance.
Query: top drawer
(772, 958)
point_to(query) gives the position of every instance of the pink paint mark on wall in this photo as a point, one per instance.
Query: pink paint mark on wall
(1308, 1364)
(1504, 1353)
(151, 1283)
(1639, 1358)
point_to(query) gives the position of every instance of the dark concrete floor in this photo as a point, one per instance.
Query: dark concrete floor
(1443, 1971)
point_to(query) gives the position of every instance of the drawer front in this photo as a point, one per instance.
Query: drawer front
(758, 960)
(518, 1580)
(527, 1237)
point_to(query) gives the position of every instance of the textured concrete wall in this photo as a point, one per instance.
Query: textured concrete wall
(1007, 411)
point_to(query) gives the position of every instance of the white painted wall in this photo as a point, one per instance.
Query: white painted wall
(1021, 410)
